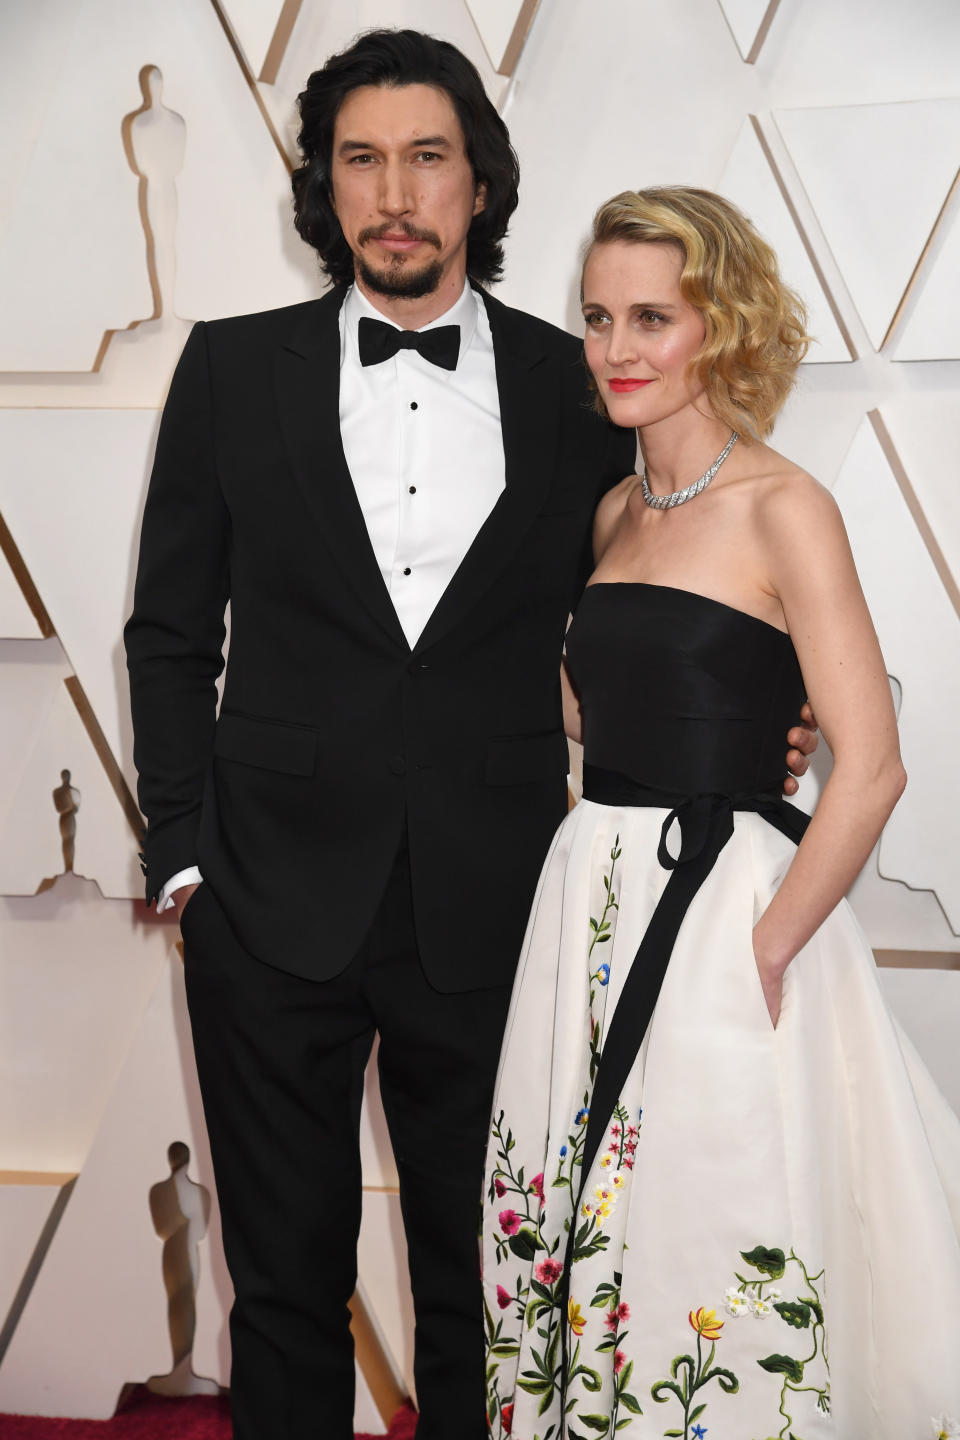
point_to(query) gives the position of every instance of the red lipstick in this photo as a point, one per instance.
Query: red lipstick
(623, 387)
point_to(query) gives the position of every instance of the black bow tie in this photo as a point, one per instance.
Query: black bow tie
(379, 341)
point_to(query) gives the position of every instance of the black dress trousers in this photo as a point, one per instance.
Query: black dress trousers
(281, 1062)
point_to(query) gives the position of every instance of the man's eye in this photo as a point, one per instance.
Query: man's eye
(427, 155)
(360, 159)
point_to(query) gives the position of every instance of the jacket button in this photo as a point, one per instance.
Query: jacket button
(398, 765)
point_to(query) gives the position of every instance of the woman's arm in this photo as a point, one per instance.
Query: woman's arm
(572, 719)
(811, 570)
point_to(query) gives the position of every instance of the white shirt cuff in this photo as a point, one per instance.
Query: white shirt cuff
(190, 876)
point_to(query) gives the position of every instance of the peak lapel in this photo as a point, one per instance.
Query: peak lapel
(307, 379)
(530, 420)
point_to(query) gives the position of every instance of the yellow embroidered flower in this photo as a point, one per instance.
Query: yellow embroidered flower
(604, 1209)
(586, 1210)
(606, 1161)
(705, 1323)
(617, 1181)
(602, 1193)
(576, 1317)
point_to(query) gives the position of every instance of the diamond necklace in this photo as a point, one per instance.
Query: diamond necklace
(680, 497)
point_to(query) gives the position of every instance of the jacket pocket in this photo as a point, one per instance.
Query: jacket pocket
(513, 760)
(265, 743)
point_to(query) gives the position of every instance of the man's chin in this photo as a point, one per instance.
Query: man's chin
(401, 282)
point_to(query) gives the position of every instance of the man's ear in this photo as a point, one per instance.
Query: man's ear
(480, 198)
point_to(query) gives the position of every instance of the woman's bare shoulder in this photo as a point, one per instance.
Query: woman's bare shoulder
(611, 506)
(784, 496)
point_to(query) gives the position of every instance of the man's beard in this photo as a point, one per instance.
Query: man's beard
(399, 282)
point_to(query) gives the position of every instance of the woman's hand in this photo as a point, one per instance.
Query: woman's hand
(771, 974)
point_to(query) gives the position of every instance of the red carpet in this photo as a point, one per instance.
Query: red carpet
(149, 1417)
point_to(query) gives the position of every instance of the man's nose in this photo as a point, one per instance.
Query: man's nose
(395, 191)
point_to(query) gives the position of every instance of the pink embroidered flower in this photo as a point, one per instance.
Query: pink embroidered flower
(504, 1298)
(509, 1221)
(630, 1146)
(506, 1418)
(628, 1163)
(632, 1130)
(536, 1185)
(548, 1271)
(619, 1312)
(618, 1359)
(615, 1130)
(500, 1188)
(613, 1145)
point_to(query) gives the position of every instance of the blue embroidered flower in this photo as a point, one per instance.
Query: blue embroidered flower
(698, 1432)
(581, 1116)
(563, 1151)
(603, 974)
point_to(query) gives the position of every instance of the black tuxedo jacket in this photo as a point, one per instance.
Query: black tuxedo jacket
(333, 736)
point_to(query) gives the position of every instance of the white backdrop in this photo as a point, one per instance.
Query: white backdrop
(144, 184)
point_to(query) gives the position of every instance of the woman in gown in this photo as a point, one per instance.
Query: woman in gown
(735, 1214)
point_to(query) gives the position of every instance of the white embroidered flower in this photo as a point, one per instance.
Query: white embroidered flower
(761, 1306)
(735, 1301)
(617, 1180)
(606, 1161)
(945, 1427)
(773, 1295)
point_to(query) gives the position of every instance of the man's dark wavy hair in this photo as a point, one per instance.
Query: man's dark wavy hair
(394, 58)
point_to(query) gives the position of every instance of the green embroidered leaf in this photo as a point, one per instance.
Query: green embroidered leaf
(591, 1380)
(602, 938)
(525, 1244)
(625, 1421)
(600, 1423)
(783, 1365)
(545, 1403)
(696, 1413)
(815, 1306)
(673, 1388)
(542, 1291)
(673, 1433)
(505, 1348)
(796, 1313)
(629, 1402)
(768, 1262)
(535, 1387)
(728, 1381)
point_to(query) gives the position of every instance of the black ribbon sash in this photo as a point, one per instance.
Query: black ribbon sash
(706, 824)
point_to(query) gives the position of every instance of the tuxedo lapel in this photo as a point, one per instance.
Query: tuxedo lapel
(307, 378)
(529, 392)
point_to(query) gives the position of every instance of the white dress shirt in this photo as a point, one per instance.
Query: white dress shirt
(424, 448)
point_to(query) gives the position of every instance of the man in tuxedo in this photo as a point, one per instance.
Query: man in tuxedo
(393, 487)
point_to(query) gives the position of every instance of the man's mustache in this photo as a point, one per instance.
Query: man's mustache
(395, 227)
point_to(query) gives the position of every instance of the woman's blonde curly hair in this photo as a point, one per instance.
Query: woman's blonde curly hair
(756, 327)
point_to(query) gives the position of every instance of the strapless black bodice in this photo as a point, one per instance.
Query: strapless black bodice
(681, 692)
